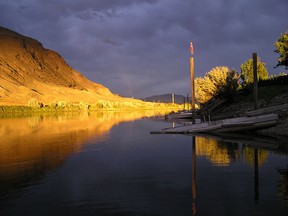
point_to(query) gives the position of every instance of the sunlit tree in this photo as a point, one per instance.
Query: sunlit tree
(247, 71)
(219, 81)
(282, 48)
(202, 90)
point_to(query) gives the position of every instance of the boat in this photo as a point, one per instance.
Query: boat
(238, 124)
(179, 115)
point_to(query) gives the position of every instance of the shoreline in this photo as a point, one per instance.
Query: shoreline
(69, 107)
(281, 129)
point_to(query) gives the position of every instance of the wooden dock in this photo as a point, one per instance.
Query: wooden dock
(238, 124)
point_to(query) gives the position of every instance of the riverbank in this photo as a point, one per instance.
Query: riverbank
(281, 129)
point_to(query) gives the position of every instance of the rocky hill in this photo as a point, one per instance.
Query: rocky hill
(28, 70)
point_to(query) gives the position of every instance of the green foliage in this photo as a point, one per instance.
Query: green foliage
(217, 82)
(281, 79)
(282, 48)
(232, 84)
(247, 71)
(265, 92)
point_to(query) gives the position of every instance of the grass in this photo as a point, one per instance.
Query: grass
(265, 93)
(269, 92)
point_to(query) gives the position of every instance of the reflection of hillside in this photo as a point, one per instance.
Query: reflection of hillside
(32, 145)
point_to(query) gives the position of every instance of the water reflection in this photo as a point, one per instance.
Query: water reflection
(125, 171)
(283, 183)
(194, 210)
(222, 151)
(254, 150)
(32, 145)
(213, 151)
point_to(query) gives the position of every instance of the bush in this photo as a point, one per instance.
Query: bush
(83, 105)
(219, 81)
(33, 103)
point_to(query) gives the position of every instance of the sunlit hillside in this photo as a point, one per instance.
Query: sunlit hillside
(30, 72)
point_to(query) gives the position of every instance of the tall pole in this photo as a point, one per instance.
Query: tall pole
(254, 55)
(192, 82)
(187, 102)
(184, 101)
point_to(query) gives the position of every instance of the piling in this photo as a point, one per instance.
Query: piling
(255, 89)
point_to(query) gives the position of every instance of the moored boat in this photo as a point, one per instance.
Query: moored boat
(179, 115)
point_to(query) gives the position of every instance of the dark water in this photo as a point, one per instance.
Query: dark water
(109, 164)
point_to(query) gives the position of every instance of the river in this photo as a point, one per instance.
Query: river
(108, 163)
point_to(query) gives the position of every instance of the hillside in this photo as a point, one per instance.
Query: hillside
(28, 70)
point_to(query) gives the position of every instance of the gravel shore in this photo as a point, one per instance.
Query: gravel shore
(281, 129)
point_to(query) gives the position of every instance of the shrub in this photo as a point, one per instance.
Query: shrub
(33, 103)
(83, 105)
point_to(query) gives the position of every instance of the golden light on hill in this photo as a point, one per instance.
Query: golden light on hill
(31, 72)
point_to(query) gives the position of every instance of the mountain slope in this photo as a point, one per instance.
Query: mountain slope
(28, 70)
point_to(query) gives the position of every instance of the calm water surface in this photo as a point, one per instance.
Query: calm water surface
(109, 164)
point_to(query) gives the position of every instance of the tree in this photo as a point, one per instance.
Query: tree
(247, 71)
(218, 81)
(232, 84)
(282, 48)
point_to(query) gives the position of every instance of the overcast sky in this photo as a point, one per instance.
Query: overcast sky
(139, 48)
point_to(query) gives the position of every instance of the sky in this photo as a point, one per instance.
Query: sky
(140, 48)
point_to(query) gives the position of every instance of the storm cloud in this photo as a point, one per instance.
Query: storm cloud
(139, 48)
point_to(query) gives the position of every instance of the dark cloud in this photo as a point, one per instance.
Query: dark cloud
(140, 48)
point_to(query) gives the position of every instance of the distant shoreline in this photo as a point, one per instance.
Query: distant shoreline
(11, 109)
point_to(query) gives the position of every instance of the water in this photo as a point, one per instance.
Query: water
(109, 164)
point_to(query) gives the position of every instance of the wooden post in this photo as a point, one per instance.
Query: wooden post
(192, 88)
(254, 55)
(184, 103)
(187, 102)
